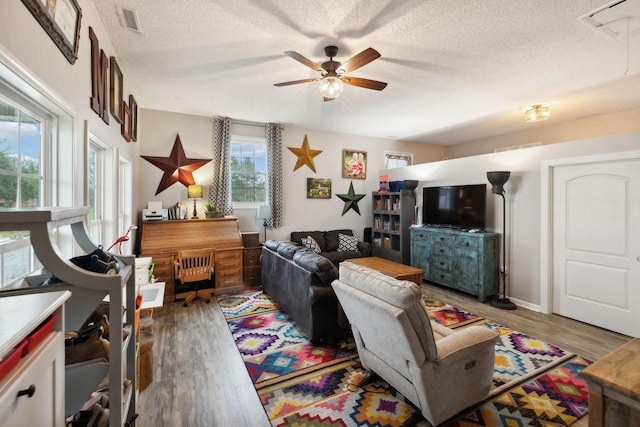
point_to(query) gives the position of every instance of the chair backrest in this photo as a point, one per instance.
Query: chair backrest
(195, 264)
(388, 314)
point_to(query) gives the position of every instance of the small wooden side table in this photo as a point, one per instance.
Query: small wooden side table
(614, 387)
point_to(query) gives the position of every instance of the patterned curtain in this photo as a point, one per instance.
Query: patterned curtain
(274, 173)
(220, 192)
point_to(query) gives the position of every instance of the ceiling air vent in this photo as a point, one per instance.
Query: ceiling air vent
(130, 19)
(615, 19)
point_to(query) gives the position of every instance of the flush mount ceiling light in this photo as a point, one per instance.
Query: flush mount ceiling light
(537, 113)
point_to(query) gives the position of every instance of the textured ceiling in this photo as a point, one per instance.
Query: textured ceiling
(457, 70)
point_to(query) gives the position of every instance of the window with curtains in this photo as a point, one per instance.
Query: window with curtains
(248, 169)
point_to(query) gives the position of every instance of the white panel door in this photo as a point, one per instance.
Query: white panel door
(596, 244)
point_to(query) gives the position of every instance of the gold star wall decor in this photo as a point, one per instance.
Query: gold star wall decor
(351, 200)
(305, 155)
(176, 167)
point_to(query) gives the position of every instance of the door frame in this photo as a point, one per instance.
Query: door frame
(546, 215)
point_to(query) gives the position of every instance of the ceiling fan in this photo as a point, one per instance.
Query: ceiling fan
(332, 73)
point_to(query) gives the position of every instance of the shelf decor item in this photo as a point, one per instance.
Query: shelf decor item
(497, 180)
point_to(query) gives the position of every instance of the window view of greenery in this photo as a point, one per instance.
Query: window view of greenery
(20, 184)
(248, 171)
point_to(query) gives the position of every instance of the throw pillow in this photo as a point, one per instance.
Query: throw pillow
(310, 242)
(347, 243)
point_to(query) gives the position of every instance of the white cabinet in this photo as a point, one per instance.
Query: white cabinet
(32, 392)
(88, 289)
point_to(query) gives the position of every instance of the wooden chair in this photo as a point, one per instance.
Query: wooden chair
(195, 265)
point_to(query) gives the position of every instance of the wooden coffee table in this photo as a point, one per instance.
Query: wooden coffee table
(391, 268)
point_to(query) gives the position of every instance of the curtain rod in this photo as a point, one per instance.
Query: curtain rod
(247, 122)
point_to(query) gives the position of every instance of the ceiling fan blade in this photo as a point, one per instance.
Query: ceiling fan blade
(365, 83)
(327, 99)
(295, 82)
(360, 60)
(301, 59)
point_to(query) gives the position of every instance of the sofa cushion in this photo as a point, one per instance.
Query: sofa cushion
(310, 242)
(288, 250)
(272, 244)
(332, 240)
(318, 264)
(318, 236)
(347, 243)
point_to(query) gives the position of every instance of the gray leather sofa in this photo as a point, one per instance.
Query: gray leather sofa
(329, 244)
(299, 280)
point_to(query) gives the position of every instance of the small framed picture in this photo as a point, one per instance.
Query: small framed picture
(125, 125)
(354, 164)
(318, 188)
(115, 90)
(133, 106)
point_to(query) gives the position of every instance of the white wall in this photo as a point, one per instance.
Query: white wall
(159, 133)
(522, 197)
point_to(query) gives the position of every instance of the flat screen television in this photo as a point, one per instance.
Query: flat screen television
(455, 206)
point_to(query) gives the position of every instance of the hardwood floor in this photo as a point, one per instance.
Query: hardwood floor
(200, 379)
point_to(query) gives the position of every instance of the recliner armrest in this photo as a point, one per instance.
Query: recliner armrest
(465, 339)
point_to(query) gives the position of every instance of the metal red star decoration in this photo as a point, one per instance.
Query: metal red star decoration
(176, 167)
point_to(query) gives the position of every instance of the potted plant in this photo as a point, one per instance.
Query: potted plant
(211, 211)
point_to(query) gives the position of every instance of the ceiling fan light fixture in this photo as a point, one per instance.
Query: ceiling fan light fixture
(331, 87)
(537, 113)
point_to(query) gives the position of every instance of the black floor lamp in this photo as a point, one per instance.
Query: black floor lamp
(497, 180)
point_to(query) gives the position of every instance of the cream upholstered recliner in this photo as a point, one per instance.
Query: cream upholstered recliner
(439, 370)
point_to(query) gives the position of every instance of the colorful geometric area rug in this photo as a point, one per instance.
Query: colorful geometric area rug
(534, 383)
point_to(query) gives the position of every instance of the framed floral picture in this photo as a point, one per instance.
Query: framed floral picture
(318, 188)
(354, 164)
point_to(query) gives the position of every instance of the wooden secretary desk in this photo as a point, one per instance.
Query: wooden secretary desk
(161, 240)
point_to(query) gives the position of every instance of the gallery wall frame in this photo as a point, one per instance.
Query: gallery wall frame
(125, 126)
(61, 21)
(133, 106)
(318, 188)
(115, 90)
(354, 164)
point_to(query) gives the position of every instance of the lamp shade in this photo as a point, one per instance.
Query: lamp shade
(331, 87)
(264, 212)
(497, 180)
(194, 191)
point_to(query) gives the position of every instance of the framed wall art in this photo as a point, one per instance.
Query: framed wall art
(125, 126)
(133, 106)
(354, 164)
(61, 21)
(115, 90)
(318, 188)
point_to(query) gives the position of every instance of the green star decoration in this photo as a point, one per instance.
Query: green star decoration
(351, 200)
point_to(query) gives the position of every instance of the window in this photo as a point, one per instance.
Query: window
(125, 219)
(248, 169)
(21, 183)
(20, 158)
(397, 160)
(95, 190)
